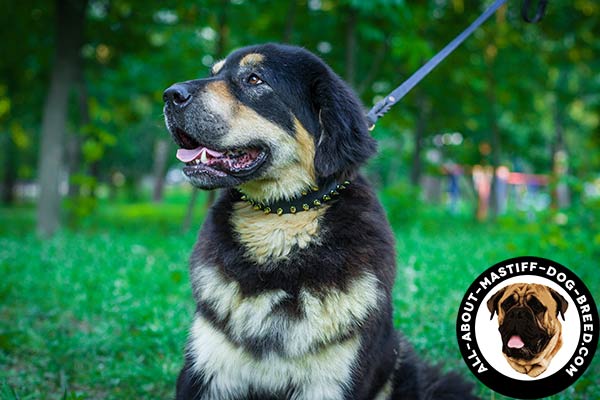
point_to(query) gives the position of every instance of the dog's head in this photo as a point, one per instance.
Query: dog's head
(271, 119)
(527, 318)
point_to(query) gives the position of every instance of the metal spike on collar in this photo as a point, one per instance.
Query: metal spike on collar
(316, 198)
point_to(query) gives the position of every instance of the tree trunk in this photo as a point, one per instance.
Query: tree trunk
(350, 60)
(376, 63)
(561, 195)
(393, 172)
(189, 213)
(70, 16)
(222, 31)
(73, 146)
(73, 155)
(9, 178)
(419, 133)
(482, 181)
(161, 148)
(290, 20)
(495, 141)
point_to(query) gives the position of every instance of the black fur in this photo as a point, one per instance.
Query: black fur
(355, 239)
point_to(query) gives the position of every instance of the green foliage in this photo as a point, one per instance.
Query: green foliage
(401, 203)
(7, 392)
(526, 79)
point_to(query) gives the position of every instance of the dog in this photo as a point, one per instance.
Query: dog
(294, 265)
(529, 326)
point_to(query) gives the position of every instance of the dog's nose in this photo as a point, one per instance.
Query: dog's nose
(178, 95)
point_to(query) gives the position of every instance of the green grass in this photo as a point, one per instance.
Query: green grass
(101, 311)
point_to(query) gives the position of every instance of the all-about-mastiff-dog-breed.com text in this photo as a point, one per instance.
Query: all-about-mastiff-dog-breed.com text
(294, 265)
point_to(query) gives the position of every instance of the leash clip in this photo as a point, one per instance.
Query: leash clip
(539, 12)
(380, 108)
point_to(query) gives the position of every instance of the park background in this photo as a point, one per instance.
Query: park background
(494, 155)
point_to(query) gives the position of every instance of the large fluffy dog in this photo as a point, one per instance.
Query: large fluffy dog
(528, 323)
(294, 266)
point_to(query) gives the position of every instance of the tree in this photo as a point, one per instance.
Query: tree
(530, 88)
(69, 18)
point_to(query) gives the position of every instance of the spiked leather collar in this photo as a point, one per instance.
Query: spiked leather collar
(311, 198)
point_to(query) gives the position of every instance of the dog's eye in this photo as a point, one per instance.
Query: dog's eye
(535, 305)
(508, 303)
(254, 79)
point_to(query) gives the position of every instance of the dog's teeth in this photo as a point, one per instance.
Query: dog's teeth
(197, 161)
(203, 158)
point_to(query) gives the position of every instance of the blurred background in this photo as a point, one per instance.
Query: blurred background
(495, 154)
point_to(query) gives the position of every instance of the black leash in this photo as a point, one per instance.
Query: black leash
(383, 106)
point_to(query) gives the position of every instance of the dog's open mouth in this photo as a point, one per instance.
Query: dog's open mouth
(524, 345)
(516, 346)
(232, 161)
(200, 159)
(515, 342)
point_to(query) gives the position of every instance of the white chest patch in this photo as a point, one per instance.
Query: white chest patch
(230, 370)
(273, 237)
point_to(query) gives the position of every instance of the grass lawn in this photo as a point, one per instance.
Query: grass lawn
(101, 310)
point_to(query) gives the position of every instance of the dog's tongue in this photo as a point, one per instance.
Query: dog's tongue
(187, 155)
(515, 342)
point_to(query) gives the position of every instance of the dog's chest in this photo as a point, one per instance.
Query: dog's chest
(230, 372)
(308, 354)
(271, 238)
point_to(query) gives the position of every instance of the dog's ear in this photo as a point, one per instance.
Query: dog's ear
(561, 303)
(344, 141)
(492, 303)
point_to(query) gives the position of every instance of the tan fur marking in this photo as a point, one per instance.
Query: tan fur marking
(385, 393)
(386, 390)
(217, 67)
(251, 59)
(221, 89)
(306, 149)
(292, 156)
(332, 313)
(272, 237)
(247, 314)
(289, 172)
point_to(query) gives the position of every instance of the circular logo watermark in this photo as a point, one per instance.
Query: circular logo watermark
(527, 327)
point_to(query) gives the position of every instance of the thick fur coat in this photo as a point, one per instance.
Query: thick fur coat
(293, 299)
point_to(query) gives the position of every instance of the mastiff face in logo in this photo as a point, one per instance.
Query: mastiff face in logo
(528, 324)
